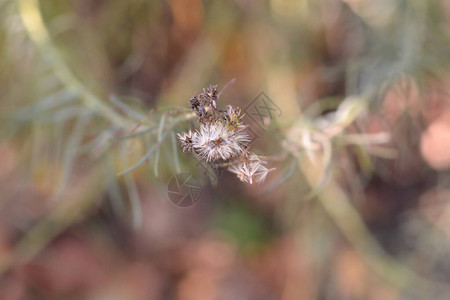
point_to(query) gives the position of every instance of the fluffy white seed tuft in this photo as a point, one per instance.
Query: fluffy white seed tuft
(218, 142)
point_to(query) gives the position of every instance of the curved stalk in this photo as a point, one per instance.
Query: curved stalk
(33, 22)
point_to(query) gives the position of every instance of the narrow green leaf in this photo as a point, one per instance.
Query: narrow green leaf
(160, 131)
(154, 147)
(176, 159)
(57, 98)
(135, 201)
(61, 115)
(126, 108)
(148, 130)
(112, 187)
(70, 153)
(133, 194)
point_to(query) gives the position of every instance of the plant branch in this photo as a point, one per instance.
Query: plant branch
(33, 22)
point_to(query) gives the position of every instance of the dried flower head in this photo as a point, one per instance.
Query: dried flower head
(210, 94)
(222, 139)
(217, 141)
(233, 116)
(186, 139)
(198, 106)
(250, 169)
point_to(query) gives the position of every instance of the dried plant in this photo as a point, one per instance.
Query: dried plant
(222, 140)
(64, 119)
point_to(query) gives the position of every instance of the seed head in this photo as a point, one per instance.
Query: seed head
(217, 142)
(250, 169)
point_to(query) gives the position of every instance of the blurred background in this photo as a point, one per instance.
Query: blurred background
(92, 96)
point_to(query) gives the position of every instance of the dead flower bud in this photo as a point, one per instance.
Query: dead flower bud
(210, 95)
(198, 106)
